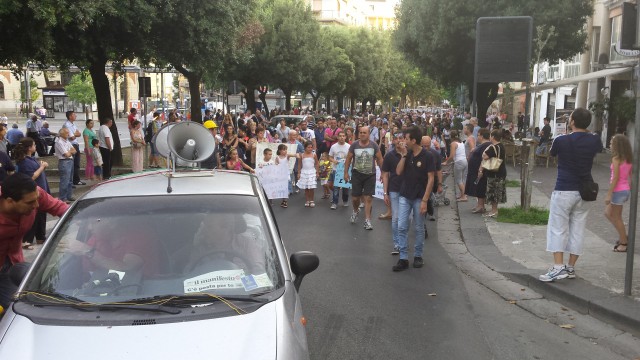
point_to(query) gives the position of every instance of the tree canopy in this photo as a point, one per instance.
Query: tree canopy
(439, 35)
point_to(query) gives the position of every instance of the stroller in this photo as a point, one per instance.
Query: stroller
(441, 198)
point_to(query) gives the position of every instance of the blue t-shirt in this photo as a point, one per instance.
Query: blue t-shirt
(29, 166)
(575, 154)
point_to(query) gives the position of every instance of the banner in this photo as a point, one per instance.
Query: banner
(379, 185)
(338, 181)
(274, 179)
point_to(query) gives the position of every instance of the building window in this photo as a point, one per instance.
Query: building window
(1, 90)
(616, 29)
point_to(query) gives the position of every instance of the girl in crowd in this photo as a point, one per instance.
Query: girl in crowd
(439, 143)
(226, 121)
(325, 170)
(229, 140)
(137, 146)
(496, 180)
(476, 184)
(235, 163)
(29, 166)
(282, 159)
(619, 188)
(308, 172)
(88, 135)
(459, 157)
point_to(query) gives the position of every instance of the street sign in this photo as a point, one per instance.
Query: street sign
(235, 99)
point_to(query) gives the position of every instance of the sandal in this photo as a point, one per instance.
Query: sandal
(384, 217)
(462, 200)
(617, 248)
(491, 215)
(479, 211)
(27, 246)
(312, 204)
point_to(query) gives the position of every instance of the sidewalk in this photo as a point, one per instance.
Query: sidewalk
(519, 252)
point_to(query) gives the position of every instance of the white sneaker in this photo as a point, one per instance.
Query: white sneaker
(361, 205)
(354, 216)
(345, 204)
(367, 225)
(334, 206)
(555, 274)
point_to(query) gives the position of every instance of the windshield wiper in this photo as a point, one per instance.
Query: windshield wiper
(185, 300)
(54, 299)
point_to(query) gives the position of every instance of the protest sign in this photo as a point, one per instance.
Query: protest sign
(274, 179)
(339, 178)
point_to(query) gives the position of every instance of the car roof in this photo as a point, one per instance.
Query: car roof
(192, 182)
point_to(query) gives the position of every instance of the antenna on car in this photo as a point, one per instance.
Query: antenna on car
(183, 144)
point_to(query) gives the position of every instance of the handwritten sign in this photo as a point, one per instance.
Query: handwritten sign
(379, 185)
(339, 178)
(274, 179)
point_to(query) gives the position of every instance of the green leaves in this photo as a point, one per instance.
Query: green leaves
(80, 89)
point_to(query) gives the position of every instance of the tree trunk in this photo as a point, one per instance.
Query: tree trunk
(340, 100)
(263, 99)
(287, 98)
(194, 79)
(315, 101)
(352, 104)
(103, 99)
(487, 93)
(250, 96)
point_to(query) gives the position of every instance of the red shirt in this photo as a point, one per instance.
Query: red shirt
(131, 118)
(136, 243)
(13, 227)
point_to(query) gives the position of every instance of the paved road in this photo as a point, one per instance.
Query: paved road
(358, 308)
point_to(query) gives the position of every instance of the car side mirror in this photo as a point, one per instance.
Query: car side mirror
(302, 263)
(18, 271)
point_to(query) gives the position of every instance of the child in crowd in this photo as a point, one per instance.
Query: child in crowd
(619, 188)
(325, 170)
(235, 163)
(308, 172)
(268, 154)
(97, 159)
(282, 159)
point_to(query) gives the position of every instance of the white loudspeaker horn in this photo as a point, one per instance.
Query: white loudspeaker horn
(191, 142)
(160, 140)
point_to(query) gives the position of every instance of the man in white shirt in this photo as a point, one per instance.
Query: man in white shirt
(338, 154)
(74, 134)
(65, 152)
(106, 146)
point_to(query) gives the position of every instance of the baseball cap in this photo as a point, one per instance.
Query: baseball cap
(210, 124)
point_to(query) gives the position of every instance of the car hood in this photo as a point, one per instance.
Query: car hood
(249, 336)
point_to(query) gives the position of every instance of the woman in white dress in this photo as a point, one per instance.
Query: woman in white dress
(308, 173)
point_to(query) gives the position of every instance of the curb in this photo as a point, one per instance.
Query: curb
(618, 310)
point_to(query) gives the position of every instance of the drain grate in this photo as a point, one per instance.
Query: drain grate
(144, 322)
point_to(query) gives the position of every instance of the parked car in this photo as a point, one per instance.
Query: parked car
(160, 266)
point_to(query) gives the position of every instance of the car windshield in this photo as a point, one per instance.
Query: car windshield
(127, 248)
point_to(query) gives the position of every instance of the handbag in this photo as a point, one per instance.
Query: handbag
(492, 163)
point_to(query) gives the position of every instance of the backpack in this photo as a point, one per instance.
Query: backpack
(148, 133)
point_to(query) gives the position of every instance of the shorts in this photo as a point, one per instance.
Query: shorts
(324, 181)
(363, 184)
(97, 170)
(567, 221)
(620, 197)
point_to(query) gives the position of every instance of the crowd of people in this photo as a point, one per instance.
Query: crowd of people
(410, 148)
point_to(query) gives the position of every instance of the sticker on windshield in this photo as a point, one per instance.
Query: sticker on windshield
(224, 279)
(251, 281)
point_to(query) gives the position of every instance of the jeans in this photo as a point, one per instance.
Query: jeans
(336, 195)
(395, 207)
(406, 206)
(65, 167)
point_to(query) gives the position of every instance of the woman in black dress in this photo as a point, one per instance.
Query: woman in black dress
(477, 185)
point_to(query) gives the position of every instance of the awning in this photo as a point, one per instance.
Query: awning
(580, 78)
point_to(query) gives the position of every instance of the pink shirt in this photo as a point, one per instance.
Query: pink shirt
(13, 227)
(623, 177)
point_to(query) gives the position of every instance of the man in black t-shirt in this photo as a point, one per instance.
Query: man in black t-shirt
(392, 183)
(417, 168)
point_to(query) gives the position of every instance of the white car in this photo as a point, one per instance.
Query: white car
(162, 265)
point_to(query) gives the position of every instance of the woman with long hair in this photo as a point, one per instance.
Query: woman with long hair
(476, 184)
(458, 155)
(28, 165)
(619, 187)
(137, 146)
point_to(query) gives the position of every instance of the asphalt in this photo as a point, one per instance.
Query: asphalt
(518, 252)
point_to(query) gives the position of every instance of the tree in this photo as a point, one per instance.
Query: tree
(447, 52)
(81, 90)
(196, 40)
(34, 92)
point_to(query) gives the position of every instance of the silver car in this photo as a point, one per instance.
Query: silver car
(162, 265)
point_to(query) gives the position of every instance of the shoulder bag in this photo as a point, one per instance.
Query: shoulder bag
(492, 163)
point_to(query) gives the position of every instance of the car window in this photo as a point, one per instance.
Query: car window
(133, 247)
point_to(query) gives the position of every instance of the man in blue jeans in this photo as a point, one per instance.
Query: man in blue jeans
(417, 170)
(392, 183)
(64, 152)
